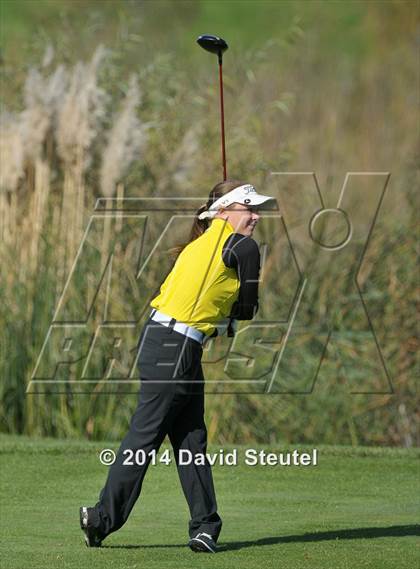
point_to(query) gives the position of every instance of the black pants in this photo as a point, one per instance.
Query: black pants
(171, 402)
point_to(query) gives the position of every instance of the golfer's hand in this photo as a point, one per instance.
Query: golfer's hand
(222, 326)
(227, 326)
(232, 327)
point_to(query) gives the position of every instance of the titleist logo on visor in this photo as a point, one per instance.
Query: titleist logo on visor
(247, 189)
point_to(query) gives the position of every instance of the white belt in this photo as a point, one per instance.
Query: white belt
(180, 327)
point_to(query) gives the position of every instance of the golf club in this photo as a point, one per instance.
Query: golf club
(217, 45)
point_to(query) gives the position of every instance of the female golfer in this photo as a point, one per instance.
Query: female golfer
(213, 282)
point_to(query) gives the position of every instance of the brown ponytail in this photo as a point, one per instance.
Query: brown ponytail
(199, 226)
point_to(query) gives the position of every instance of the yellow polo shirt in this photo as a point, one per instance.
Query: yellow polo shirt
(200, 289)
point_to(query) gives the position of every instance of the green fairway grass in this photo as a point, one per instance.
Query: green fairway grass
(357, 508)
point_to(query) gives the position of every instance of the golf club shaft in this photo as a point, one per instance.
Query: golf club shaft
(222, 117)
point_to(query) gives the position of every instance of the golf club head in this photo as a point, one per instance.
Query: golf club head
(213, 44)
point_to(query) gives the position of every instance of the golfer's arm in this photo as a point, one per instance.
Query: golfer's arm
(242, 253)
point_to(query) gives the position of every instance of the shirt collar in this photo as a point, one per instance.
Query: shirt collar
(218, 223)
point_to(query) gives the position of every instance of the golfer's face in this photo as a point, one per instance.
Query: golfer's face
(243, 218)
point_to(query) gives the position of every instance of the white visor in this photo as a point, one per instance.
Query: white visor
(246, 195)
